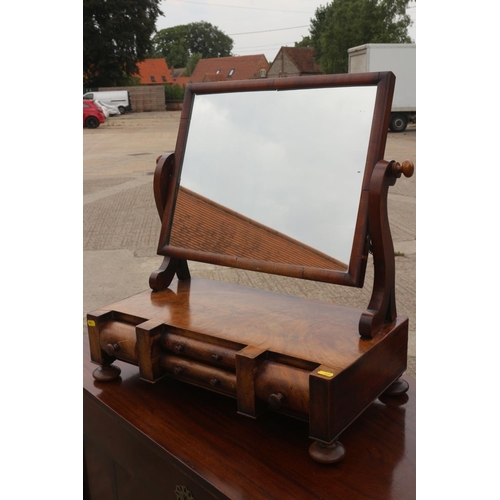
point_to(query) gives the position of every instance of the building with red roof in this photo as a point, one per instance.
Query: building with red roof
(154, 72)
(221, 69)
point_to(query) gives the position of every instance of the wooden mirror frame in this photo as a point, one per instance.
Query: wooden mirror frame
(169, 167)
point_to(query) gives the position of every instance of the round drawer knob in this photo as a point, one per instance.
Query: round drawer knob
(214, 382)
(112, 348)
(216, 357)
(178, 370)
(276, 400)
(178, 348)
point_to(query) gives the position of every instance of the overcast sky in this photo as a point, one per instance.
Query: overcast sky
(256, 26)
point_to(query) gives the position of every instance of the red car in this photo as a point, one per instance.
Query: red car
(92, 114)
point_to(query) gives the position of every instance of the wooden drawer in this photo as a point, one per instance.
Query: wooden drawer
(118, 339)
(212, 353)
(200, 374)
(284, 388)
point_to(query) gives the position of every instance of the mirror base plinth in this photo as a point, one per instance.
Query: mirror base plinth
(229, 339)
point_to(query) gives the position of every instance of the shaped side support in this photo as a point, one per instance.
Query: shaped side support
(163, 187)
(382, 306)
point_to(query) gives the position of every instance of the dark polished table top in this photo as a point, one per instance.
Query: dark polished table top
(265, 458)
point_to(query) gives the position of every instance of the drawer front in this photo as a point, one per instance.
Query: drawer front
(205, 352)
(119, 339)
(200, 374)
(284, 388)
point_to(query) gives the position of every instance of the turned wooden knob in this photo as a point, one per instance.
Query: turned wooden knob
(276, 400)
(216, 357)
(178, 348)
(112, 348)
(407, 168)
(214, 382)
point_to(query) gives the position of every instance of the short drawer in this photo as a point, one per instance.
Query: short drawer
(284, 388)
(206, 352)
(200, 374)
(119, 340)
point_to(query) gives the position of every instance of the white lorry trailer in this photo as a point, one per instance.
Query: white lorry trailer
(400, 58)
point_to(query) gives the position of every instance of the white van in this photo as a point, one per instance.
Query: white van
(118, 98)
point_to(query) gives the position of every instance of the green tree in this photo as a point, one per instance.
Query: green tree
(172, 44)
(116, 36)
(191, 64)
(174, 92)
(177, 44)
(305, 42)
(343, 24)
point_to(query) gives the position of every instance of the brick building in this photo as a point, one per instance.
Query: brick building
(294, 61)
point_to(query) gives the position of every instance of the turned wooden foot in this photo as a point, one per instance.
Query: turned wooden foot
(106, 373)
(327, 453)
(399, 387)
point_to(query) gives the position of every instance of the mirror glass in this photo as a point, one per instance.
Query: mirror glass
(283, 168)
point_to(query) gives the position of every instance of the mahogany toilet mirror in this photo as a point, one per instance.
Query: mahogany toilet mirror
(282, 176)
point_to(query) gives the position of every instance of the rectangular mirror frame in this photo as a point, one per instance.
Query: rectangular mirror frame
(384, 81)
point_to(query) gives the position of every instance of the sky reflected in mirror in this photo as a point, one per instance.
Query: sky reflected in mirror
(291, 160)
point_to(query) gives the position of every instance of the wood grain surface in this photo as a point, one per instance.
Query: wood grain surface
(313, 330)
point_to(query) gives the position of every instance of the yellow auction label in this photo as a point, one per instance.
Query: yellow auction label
(91, 322)
(326, 374)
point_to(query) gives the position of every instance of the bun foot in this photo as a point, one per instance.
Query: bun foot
(397, 388)
(327, 453)
(106, 373)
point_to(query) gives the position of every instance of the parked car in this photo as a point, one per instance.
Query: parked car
(108, 109)
(103, 109)
(93, 115)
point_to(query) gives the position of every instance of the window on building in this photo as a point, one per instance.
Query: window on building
(231, 71)
(153, 79)
(164, 78)
(262, 73)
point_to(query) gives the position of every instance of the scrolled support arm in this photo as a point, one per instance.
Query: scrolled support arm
(382, 306)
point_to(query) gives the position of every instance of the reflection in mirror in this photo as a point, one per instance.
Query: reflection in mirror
(275, 175)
